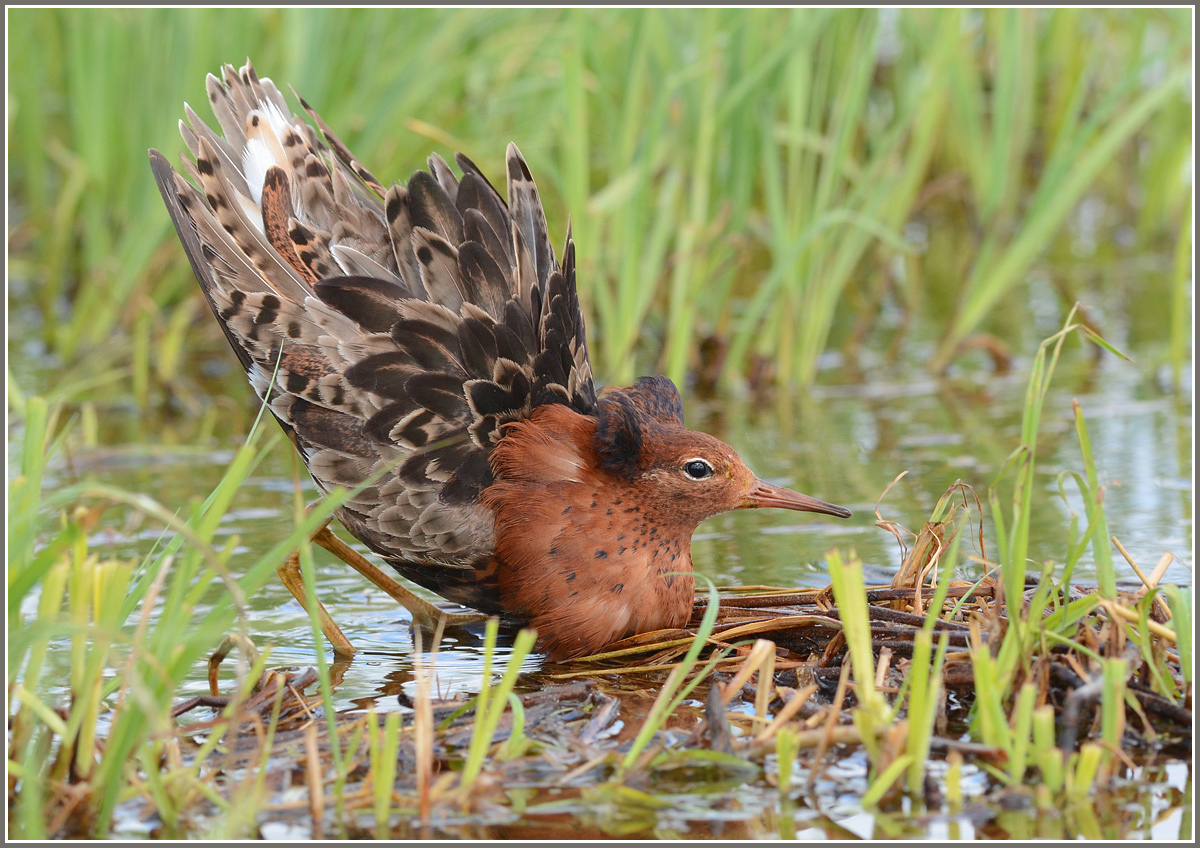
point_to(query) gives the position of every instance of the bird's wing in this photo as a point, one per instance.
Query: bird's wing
(391, 331)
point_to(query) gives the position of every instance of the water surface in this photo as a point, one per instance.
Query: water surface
(869, 421)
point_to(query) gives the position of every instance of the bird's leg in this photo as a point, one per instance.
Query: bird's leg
(424, 613)
(292, 578)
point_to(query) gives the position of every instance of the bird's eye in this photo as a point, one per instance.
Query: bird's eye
(697, 469)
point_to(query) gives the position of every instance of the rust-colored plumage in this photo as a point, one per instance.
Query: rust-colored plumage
(427, 336)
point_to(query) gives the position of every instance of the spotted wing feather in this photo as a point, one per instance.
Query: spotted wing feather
(392, 331)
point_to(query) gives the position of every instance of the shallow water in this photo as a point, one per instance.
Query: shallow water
(844, 442)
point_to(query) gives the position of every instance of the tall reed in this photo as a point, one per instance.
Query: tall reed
(740, 178)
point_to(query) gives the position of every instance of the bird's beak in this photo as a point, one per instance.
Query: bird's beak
(769, 495)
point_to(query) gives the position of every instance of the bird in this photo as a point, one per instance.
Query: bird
(423, 347)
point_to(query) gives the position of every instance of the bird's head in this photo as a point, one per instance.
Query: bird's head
(687, 476)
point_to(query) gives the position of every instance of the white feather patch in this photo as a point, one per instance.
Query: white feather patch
(263, 146)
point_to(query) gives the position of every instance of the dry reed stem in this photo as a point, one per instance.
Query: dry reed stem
(316, 791)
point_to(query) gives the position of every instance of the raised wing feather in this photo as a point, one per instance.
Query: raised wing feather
(391, 331)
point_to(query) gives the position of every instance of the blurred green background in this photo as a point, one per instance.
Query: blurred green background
(748, 189)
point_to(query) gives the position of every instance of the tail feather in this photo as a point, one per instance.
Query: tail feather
(400, 233)
(444, 176)
(526, 208)
(438, 263)
(390, 330)
(432, 208)
(343, 154)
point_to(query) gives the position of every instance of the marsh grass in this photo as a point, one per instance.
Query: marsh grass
(489, 705)
(739, 182)
(408, 776)
(134, 628)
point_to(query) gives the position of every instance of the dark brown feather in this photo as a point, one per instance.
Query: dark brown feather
(366, 315)
(368, 301)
